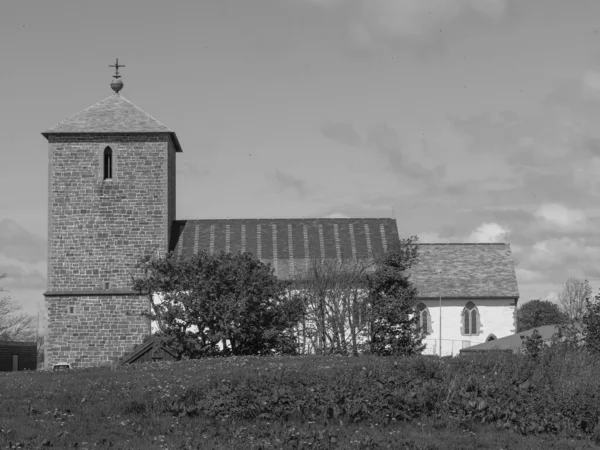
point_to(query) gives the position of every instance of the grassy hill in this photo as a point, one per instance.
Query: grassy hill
(497, 401)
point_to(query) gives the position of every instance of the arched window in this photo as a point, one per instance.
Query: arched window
(470, 319)
(108, 163)
(491, 337)
(424, 318)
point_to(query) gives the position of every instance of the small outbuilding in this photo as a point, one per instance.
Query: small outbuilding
(514, 342)
(150, 351)
(17, 355)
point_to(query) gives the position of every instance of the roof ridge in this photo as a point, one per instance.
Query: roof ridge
(152, 117)
(56, 125)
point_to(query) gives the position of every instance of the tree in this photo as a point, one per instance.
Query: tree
(537, 313)
(14, 324)
(226, 304)
(591, 325)
(393, 323)
(334, 293)
(533, 345)
(573, 298)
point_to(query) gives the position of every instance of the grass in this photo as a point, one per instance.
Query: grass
(308, 403)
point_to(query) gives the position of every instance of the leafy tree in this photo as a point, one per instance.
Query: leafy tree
(573, 297)
(537, 313)
(226, 304)
(393, 323)
(533, 345)
(14, 324)
(591, 325)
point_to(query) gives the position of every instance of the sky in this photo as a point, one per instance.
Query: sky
(466, 120)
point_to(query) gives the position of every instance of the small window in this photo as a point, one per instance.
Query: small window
(491, 337)
(108, 163)
(470, 320)
(71, 310)
(424, 318)
(107, 285)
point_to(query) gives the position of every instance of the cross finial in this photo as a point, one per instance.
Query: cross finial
(116, 65)
(116, 84)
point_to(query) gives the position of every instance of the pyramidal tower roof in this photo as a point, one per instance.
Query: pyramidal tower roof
(114, 114)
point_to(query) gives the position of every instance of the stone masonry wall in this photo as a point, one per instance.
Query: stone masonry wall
(97, 231)
(98, 331)
(99, 228)
(172, 187)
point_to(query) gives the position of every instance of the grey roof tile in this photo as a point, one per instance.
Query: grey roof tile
(114, 114)
(468, 270)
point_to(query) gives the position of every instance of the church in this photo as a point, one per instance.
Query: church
(112, 200)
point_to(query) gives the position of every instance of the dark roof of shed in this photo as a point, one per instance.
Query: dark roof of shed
(114, 114)
(468, 270)
(145, 347)
(19, 343)
(512, 342)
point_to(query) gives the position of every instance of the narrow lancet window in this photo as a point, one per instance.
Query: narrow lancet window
(424, 318)
(470, 319)
(108, 163)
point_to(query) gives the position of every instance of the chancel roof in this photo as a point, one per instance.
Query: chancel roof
(289, 245)
(467, 270)
(114, 114)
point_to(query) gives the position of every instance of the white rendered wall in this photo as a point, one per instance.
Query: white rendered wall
(496, 317)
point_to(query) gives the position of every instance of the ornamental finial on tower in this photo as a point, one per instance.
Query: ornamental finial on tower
(117, 83)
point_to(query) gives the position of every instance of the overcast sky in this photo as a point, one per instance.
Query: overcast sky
(467, 120)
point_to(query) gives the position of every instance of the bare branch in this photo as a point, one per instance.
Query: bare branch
(573, 297)
(14, 325)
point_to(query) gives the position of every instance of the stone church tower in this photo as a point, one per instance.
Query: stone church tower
(111, 199)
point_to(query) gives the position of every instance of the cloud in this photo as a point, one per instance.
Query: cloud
(386, 141)
(21, 277)
(528, 276)
(343, 133)
(591, 84)
(373, 21)
(561, 216)
(23, 261)
(285, 181)
(19, 244)
(562, 257)
(337, 215)
(326, 3)
(488, 232)
(491, 131)
(432, 237)
(192, 170)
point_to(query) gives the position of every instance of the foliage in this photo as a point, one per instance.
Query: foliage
(209, 305)
(14, 324)
(311, 402)
(537, 313)
(573, 297)
(591, 325)
(393, 324)
(533, 345)
(334, 295)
